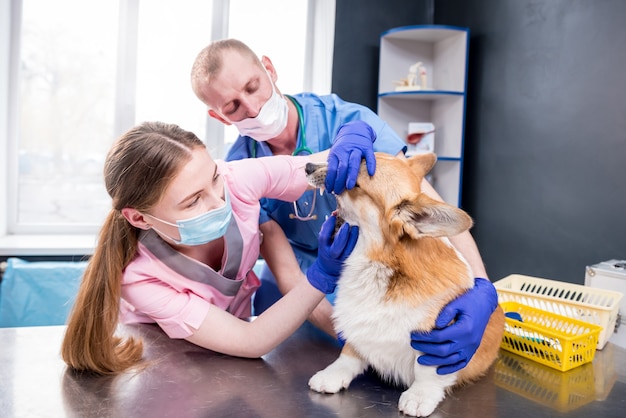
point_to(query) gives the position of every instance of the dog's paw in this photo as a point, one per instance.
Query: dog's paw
(338, 374)
(416, 405)
(329, 381)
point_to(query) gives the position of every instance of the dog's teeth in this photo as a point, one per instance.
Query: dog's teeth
(321, 191)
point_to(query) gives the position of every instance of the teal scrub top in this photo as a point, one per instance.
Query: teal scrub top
(322, 116)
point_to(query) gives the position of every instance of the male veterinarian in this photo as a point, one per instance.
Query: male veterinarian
(239, 88)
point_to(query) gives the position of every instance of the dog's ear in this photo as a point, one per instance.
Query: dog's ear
(424, 216)
(421, 164)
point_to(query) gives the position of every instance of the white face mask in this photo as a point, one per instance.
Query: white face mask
(271, 120)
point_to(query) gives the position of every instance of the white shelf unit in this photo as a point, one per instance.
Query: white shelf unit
(443, 51)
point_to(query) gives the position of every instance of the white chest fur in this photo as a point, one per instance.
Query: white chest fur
(378, 328)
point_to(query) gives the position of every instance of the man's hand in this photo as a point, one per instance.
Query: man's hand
(354, 142)
(450, 346)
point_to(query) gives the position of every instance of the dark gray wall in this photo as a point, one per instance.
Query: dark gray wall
(545, 172)
(358, 26)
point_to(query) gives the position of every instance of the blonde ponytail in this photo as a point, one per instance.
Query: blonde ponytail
(90, 343)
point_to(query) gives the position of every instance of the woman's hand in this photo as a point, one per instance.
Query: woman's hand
(331, 254)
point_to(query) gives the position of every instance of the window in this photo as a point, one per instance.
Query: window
(79, 79)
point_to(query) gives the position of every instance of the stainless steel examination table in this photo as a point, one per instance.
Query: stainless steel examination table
(182, 380)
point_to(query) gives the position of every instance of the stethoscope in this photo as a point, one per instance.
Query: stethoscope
(303, 148)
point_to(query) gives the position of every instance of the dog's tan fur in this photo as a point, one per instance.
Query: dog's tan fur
(402, 272)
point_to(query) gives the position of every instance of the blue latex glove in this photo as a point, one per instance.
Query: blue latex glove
(452, 346)
(324, 273)
(353, 142)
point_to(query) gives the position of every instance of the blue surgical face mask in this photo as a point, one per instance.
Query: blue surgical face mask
(203, 228)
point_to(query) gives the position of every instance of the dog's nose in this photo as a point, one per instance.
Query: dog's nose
(310, 168)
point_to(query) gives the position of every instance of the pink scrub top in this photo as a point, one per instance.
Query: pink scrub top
(166, 287)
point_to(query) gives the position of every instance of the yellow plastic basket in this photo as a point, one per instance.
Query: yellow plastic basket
(555, 340)
(598, 306)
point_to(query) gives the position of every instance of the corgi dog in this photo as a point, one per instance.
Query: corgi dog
(401, 273)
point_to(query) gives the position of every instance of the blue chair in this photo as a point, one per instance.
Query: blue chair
(38, 293)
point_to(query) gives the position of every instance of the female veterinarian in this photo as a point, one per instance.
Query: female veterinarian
(179, 244)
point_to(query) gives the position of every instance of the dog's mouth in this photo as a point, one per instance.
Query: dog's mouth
(340, 221)
(316, 175)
